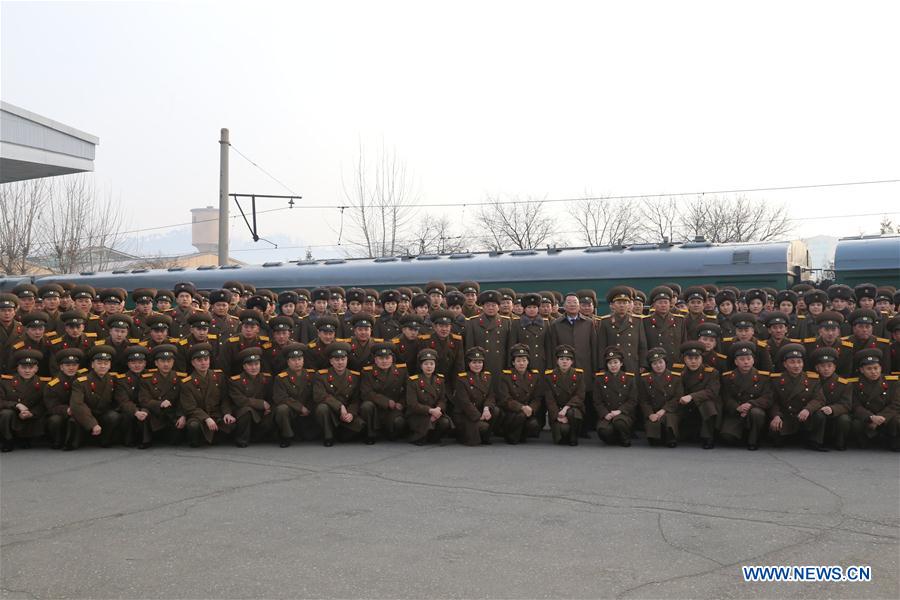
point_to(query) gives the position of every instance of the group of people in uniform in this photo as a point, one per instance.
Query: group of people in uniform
(694, 365)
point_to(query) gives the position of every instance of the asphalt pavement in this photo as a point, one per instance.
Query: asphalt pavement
(398, 521)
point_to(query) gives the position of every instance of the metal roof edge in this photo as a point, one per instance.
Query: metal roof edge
(47, 122)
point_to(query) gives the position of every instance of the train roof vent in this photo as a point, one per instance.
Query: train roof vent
(141, 270)
(206, 268)
(596, 249)
(88, 273)
(461, 255)
(173, 269)
(496, 253)
(740, 257)
(303, 263)
(382, 259)
(273, 264)
(697, 244)
(230, 267)
(643, 247)
(523, 252)
(427, 257)
(335, 261)
(120, 271)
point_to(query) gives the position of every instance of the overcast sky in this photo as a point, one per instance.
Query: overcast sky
(531, 99)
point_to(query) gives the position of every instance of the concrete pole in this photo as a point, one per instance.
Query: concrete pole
(224, 145)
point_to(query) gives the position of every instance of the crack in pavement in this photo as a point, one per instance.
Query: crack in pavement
(665, 538)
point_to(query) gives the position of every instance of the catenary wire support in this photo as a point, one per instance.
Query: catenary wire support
(253, 228)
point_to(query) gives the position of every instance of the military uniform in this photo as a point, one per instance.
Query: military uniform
(92, 403)
(791, 395)
(517, 390)
(229, 361)
(128, 388)
(868, 317)
(378, 388)
(56, 401)
(490, 333)
(838, 400)
(246, 400)
(879, 397)
(700, 416)
(332, 391)
(740, 388)
(842, 348)
(615, 392)
(564, 390)
(33, 320)
(473, 394)
(15, 390)
(424, 393)
(660, 391)
(157, 388)
(292, 398)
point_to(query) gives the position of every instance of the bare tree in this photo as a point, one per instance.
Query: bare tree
(738, 219)
(887, 226)
(380, 202)
(659, 220)
(434, 235)
(604, 222)
(155, 262)
(517, 224)
(21, 206)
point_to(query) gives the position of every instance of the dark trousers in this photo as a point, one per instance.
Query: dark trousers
(109, 425)
(616, 431)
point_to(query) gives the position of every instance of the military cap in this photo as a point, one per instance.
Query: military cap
(259, 302)
(165, 294)
(468, 287)
(67, 288)
(883, 293)
(49, 290)
(742, 349)
(640, 295)
(251, 316)
(362, 319)
(249, 289)
(113, 295)
(136, 352)
(757, 294)
(420, 300)
(390, 296)
(69, 355)
(802, 287)
(143, 295)
(426, 354)
(281, 323)
(235, 287)
(815, 296)
(442, 317)
(372, 295)
(695, 292)
(862, 316)
(824, 355)
(692, 349)
(159, 322)
(865, 290)
(336, 292)
(531, 299)
(661, 292)
(119, 321)
(101, 352)
(896, 298)
(436, 287)
(557, 295)
(587, 296)
(507, 294)
(27, 356)
(619, 292)
(893, 324)
(786, 296)
(612, 352)
(790, 351)
(287, 297)
(36, 318)
(327, 323)
(163, 352)
(200, 320)
(519, 350)
(518, 300)
(72, 317)
(382, 349)
(770, 293)
(775, 318)
(184, 286)
(412, 321)
(9, 301)
(200, 350)
(841, 291)
(489, 296)
(455, 298)
(868, 356)
(272, 296)
(321, 293)
(657, 353)
(743, 320)
(25, 290)
(302, 295)
(82, 291)
(338, 350)
(725, 295)
(565, 350)
(204, 294)
(356, 294)
(711, 289)
(250, 355)
(676, 288)
(475, 353)
(294, 350)
(547, 297)
(405, 293)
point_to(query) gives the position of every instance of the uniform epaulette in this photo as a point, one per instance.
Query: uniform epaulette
(674, 314)
(82, 378)
(764, 373)
(441, 375)
(50, 333)
(377, 340)
(812, 375)
(99, 342)
(892, 377)
(266, 346)
(265, 374)
(473, 317)
(548, 371)
(507, 371)
(847, 343)
(721, 355)
(676, 373)
(882, 340)
(728, 373)
(629, 373)
(18, 345)
(311, 345)
(577, 370)
(154, 370)
(84, 370)
(44, 379)
(57, 340)
(728, 339)
(401, 366)
(345, 340)
(852, 379)
(367, 368)
(795, 340)
(283, 374)
(395, 340)
(456, 337)
(352, 372)
(311, 371)
(234, 339)
(182, 342)
(90, 335)
(212, 336)
(93, 318)
(638, 316)
(603, 317)
(762, 343)
(119, 375)
(53, 382)
(463, 374)
(322, 371)
(413, 377)
(235, 377)
(809, 340)
(425, 336)
(708, 369)
(842, 380)
(180, 374)
(146, 375)
(264, 338)
(677, 365)
(135, 341)
(771, 374)
(185, 379)
(504, 316)
(801, 316)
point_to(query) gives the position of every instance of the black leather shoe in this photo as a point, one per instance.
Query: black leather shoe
(626, 443)
(708, 444)
(284, 443)
(241, 444)
(370, 441)
(143, 446)
(573, 441)
(328, 443)
(671, 444)
(26, 444)
(6, 448)
(752, 447)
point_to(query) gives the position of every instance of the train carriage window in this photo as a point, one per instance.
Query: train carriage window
(740, 257)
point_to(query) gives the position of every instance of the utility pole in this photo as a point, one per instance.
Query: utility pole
(224, 145)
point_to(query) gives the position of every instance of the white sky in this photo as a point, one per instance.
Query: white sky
(543, 99)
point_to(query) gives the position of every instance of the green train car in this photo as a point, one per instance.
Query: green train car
(868, 259)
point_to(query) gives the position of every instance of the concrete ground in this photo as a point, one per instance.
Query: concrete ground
(398, 521)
